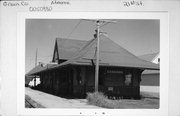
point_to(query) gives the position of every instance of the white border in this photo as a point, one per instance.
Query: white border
(164, 65)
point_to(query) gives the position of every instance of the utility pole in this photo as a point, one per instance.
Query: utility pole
(99, 24)
(35, 66)
(97, 57)
(36, 57)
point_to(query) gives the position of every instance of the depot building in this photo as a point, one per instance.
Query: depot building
(73, 71)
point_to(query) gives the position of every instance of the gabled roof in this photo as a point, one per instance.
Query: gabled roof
(149, 57)
(67, 47)
(111, 54)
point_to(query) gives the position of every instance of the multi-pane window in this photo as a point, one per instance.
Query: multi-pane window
(128, 79)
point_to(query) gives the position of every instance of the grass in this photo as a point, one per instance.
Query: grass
(99, 99)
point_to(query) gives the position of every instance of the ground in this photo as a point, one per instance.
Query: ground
(51, 101)
(150, 91)
(41, 99)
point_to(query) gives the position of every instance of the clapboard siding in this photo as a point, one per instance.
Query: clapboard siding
(78, 80)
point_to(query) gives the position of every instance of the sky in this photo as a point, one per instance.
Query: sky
(137, 36)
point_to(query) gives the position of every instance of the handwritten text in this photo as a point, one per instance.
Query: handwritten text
(132, 3)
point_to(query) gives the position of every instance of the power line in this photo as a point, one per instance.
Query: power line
(74, 28)
(107, 22)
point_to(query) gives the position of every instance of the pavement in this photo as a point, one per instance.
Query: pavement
(150, 93)
(51, 101)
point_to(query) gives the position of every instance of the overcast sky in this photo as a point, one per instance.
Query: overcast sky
(137, 36)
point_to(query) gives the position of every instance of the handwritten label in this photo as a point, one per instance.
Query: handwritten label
(41, 9)
(13, 4)
(55, 2)
(133, 3)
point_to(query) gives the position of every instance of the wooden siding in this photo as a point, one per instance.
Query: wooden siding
(78, 80)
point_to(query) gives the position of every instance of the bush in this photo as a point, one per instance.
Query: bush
(99, 99)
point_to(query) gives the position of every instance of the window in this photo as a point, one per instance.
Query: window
(79, 76)
(114, 77)
(128, 79)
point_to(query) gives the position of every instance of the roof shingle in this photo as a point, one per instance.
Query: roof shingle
(67, 47)
(78, 52)
(111, 54)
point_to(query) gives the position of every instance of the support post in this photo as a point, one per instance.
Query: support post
(97, 58)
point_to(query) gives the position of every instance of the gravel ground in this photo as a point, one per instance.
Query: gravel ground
(51, 101)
